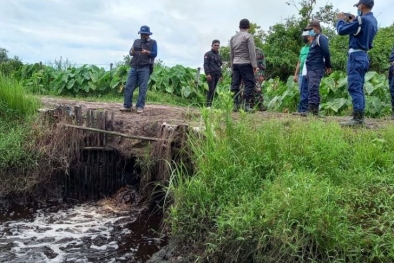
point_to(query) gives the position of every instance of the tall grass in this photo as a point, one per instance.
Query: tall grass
(14, 101)
(286, 191)
(17, 111)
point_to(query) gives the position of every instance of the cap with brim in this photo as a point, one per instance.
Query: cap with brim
(365, 2)
(313, 23)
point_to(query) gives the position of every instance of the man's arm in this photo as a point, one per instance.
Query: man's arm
(153, 52)
(252, 52)
(297, 72)
(206, 63)
(231, 53)
(326, 51)
(344, 28)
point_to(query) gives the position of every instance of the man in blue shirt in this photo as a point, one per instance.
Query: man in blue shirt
(317, 63)
(361, 30)
(391, 82)
(143, 52)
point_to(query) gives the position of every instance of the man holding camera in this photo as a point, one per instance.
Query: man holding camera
(361, 30)
(143, 52)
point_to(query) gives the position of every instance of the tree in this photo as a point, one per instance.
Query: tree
(3, 55)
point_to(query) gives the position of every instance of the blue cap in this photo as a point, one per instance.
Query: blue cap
(365, 2)
(145, 30)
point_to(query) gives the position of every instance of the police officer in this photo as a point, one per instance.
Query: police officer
(212, 69)
(391, 82)
(243, 64)
(317, 63)
(361, 30)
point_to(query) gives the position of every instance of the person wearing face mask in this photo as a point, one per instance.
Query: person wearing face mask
(143, 52)
(300, 73)
(317, 63)
(213, 70)
(362, 31)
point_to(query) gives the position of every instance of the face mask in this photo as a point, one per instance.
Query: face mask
(359, 13)
(305, 39)
(312, 33)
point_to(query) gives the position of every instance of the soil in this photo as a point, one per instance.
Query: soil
(149, 122)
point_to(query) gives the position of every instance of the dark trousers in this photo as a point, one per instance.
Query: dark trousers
(243, 72)
(303, 85)
(212, 88)
(391, 84)
(357, 66)
(314, 79)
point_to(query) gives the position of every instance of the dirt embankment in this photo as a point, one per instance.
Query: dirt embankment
(148, 123)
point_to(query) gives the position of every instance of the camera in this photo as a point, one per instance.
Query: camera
(348, 16)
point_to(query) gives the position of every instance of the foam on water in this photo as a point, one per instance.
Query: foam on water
(82, 233)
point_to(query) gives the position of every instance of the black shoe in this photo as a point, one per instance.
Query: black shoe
(235, 108)
(262, 108)
(356, 121)
(248, 108)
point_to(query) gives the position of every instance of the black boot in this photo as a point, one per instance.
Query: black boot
(392, 113)
(236, 102)
(356, 121)
(313, 109)
(248, 107)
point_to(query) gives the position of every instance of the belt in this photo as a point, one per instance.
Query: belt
(351, 50)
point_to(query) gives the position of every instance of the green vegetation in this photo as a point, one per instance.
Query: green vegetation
(285, 191)
(17, 110)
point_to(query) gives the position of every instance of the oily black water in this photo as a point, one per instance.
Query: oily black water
(90, 232)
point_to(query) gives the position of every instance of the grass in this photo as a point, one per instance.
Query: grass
(15, 103)
(17, 113)
(286, 191)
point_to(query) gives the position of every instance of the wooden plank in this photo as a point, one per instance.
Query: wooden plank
(112, 133)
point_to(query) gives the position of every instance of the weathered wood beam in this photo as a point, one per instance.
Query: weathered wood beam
(112, 133)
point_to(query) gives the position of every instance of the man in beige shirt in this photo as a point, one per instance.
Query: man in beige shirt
(243, 64)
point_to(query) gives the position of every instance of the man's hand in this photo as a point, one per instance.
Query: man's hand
(144, 51)
(295, 78)
(209, 78)
(328, 70)
(254, 69)
(345, 16)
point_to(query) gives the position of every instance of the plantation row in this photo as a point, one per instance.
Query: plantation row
(188, 84)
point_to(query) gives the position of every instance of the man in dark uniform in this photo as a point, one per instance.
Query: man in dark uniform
(391, 82)
(213, 70)
(317, 63)
(361, 30)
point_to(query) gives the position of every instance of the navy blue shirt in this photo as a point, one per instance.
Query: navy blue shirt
(319, 54)
(392, 56)
(364, 39)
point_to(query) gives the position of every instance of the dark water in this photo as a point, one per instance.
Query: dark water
(93, 232)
